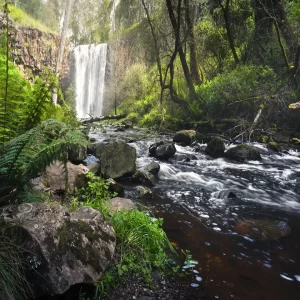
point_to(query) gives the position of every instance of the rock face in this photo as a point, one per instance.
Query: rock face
(53, 178)
(185, 137)
(243, 153)
(34, 49)
(162, 150)
(61, 248)
(215, 148)
(117, 158)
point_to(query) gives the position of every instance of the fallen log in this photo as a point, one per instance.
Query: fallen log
(103, 118)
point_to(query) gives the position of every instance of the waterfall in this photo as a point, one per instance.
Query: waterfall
(90, 69)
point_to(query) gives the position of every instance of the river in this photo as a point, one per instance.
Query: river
(240, 221)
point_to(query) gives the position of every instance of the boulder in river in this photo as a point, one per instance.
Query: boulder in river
(215, 147)
(117, 159)
(60, 248)
(152, 168)
(263, 229)
(162, 150)
(145, 178)
(185, 137)
(144, 192)
(243, 153)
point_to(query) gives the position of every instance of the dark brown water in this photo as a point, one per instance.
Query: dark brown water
(241, 222)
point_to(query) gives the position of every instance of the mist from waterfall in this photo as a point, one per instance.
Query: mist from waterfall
(90, 67)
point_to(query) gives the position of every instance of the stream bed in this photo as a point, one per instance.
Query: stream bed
(240, 221)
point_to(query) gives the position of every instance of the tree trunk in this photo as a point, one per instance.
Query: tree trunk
(192, 45)
(62, 42)
(176, 27)
(228, 29)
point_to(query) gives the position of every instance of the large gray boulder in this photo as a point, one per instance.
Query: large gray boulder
(117, 158)
(60, 248)
(185, 137)
(243, 153)
(77, 156)
(54, 178)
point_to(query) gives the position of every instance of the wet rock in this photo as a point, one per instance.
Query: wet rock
(77, 156)
(196, 147)
(119, 204)
(145, 178)
(215, 148)
(115, 187)
(263, 229)
(117, 158)
(185, 157)
(243, 153)
(162, 150)
(152, 168)
(144, 191)
(53, 179)
(274, 147)
(60, 248)
(185, 137)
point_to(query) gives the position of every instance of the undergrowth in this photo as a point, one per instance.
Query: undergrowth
(142, 245)
(13, 284)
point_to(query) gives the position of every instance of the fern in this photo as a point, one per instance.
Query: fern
(26, 156)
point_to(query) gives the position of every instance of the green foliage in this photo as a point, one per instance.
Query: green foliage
(13, 284)
(237, 93)
(12, 106)
(142, 243)
(24, 157)
(23, 19)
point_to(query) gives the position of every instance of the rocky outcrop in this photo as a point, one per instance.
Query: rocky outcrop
(185, 137)
(60, 248)
(215, 147)
(53, 179)
(117, 158)
(162, 150)
(243, 153)
(33, 49)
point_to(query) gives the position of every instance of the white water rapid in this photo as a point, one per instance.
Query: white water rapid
(90, 66)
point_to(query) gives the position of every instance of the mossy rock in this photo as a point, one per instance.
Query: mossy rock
(274, 147)
(215, 147)
(185, 137)
(243, 153)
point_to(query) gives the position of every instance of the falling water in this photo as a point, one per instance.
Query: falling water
(90, 67)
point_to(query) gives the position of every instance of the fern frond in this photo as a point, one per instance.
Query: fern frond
(26, 156)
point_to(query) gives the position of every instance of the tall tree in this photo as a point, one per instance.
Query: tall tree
(63, 41)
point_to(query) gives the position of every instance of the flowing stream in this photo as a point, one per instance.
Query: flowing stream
(90, 68)
(241, 221)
